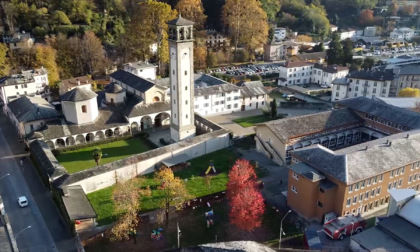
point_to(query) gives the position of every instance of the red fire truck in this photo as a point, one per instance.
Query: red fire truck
(341, 227)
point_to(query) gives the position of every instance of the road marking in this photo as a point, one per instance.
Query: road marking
(16, 156)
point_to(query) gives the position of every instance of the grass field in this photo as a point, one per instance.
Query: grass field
(278, 95)
(196, 186)
(81, 159)
(252, 120)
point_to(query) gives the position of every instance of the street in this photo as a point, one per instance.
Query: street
(48, 230)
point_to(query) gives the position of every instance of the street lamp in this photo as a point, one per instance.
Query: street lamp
(281, 228)
(16, 236)
(8, 174)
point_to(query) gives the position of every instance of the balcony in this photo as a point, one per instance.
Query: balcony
(365, 91)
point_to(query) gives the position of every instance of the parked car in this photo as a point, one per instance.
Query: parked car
(22, 201)
(341, 227)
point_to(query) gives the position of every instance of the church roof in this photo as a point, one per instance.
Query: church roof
(131, 80)
(142, 109)
(180, 21)
(114, 88)
(78, 94)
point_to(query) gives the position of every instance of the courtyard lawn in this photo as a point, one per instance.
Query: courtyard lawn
(195, 183)
(252, 120)
(278, 95)
(81, 159)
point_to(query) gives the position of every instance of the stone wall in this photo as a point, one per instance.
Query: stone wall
(121, 170)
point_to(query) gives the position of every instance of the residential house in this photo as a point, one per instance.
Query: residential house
(253, 94)
(19, 40)
(29, 114)
(280, 34)
(296, 73)
(313, 57)
(326, 74)
(216, 40)
(69, 84)
(402, 33)
(31, 82)
(401, 4)
(369, 31)
(144, 70)
(274, 51)
(371, 83)
(408, 76)
(347, 33)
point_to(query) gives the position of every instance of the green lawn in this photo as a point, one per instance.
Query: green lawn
(196, 186)
(252, 120)
(81, 159)
(278, 95)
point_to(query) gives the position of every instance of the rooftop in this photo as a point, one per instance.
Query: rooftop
(375, 240)
(361, 161)
(382, 110)
(22, 78)
(290, 64)
(141, 109)
(114, 88)
(74, 82)
(307, 171)
(78, 94)
(140, 65)
(410, 211)
(132, 80)
(77, 204)
(340, 81)
(410, 70)
(252, 88)
(331, 68)
(60, 128)
(299, 126)
(28, 109)
(402, 230)
(401, 102)
(375, 75)
(180, 21)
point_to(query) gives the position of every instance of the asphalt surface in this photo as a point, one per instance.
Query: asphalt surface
(48, 230)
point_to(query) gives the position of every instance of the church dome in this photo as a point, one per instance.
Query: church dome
(114, 88)
(78, 94)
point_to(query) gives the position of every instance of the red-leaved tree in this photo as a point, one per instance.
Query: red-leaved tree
(245, 199)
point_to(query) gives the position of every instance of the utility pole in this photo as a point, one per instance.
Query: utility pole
(178, 232)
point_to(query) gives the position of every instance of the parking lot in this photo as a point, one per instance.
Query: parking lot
(248, 69)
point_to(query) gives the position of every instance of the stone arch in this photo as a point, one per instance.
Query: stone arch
(70, 141)
(134, 127)
(109, 133)
(162, 119)
(90, 137)
(146, 122)
(80, 139)
(99, 136)
(117, 131)
(51, 145)
(60, 143)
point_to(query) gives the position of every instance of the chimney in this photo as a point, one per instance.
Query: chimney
(389, 143)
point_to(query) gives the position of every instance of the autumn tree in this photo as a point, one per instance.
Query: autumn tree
(192, 10)
(407, 10)
(392, 9)
(174, 191)
(92, 53)
(245, 200)
(126, 197)
(409, 92)
(367, 18)
(246, 22)
(211, 59)
(46, 57)
(4, 66)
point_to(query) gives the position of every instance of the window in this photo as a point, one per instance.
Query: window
(362, 184)
(389, 185)
(186, 102)
(196, 106)
(173, 72)
(356, 186)
(374, 91)
(395, 184)
(361, 197)
(17, 87)
(84, 109)
(295, 176)
(206, 97)
(294, 189)
(415, 177)
(402, 170)
(375, 179)
(229, 106)
(348, 202)
(173, 87)
(17, 93)
(373, 193)
(378, 191)
(228, 99)
(369, 181)
(367, 195)
(319, 203)
(174, 101)
(412, 166)
(235, 105)
(381, 177)
(350, 188)
(392, 174)
(206, 105)
(185, 72)
(356, 88)
(400, 183)
(355, 199)
(32, 127)
(186, 88)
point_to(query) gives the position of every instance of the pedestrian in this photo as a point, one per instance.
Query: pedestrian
(21, 161)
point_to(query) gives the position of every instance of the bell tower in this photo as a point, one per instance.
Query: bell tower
(181, 74)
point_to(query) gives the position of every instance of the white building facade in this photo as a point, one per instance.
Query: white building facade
(296, 73)
(31, 82)
(325, 75)
(402, 33)
(141, 69)
(80, 106)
